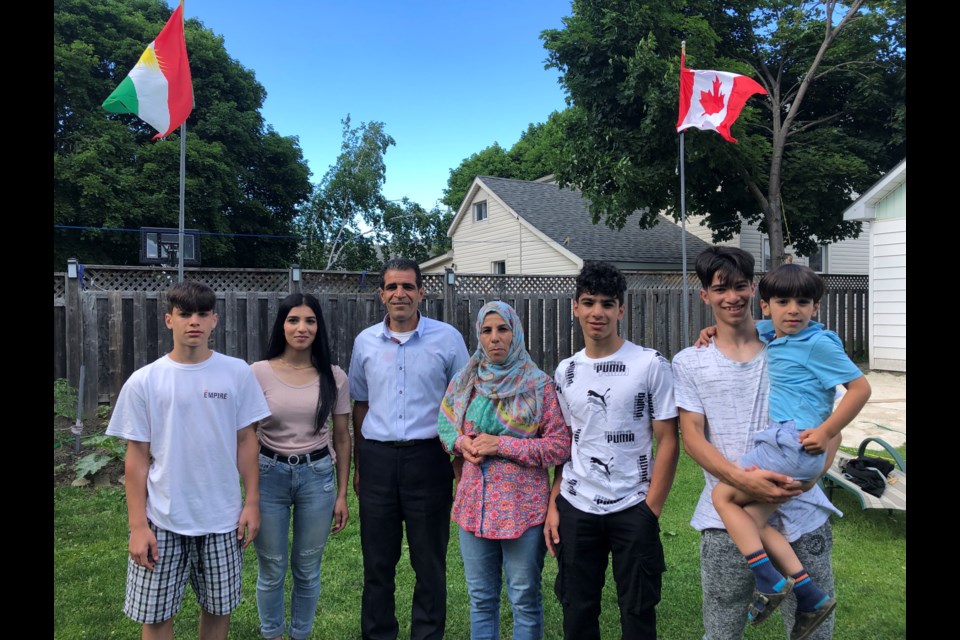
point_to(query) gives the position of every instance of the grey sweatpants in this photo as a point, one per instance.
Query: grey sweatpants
(728, 583)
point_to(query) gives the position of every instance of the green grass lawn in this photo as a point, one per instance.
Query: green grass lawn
(90, 557)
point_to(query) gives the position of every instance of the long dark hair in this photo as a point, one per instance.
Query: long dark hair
(319, 351)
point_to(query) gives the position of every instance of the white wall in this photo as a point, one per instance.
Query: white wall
(437, 267)
(888, 295)
(703, 232)
(850, 256)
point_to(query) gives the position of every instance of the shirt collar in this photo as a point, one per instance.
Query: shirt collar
(385, 330)
(813, 327)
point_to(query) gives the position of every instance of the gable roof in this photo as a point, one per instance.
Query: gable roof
(563, 215)
(865, 206)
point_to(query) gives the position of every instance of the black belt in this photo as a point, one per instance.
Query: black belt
(402, 443)
(296, 458)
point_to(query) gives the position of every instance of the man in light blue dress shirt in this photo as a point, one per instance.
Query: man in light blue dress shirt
(399, 371)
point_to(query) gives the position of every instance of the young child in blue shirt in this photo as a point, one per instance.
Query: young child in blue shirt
(806, 363)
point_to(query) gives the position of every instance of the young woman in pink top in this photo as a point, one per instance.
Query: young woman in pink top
(500, 413)
(297, 459)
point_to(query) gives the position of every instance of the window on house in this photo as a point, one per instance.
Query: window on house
(479, 211)
(818, 260)
(765, 253)
(499, 266)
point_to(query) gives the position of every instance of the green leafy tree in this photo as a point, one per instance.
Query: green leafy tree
(492, 161)
(349, 195)
(833, 122)
(412, 232)
(537, 153)
(350, 225)
(242, 177)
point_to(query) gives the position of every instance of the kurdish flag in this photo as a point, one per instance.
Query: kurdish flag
(158, 89)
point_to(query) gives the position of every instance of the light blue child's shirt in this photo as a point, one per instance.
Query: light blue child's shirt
(805, 369)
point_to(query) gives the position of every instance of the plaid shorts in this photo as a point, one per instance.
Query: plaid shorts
(213, 563)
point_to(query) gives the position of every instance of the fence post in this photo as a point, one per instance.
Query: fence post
(73, 326)
(449, 296)
(115, 346)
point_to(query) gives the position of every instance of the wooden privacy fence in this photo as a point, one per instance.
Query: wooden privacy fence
(115, 332)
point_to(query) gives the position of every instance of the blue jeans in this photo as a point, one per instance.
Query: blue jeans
(311, 491)
(522, 561)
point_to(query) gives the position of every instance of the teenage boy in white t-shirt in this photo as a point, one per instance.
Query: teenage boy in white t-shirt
(722, 392)
(617, 398)
(188, 419)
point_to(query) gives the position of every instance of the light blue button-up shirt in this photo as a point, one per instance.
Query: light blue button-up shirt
(404, 383)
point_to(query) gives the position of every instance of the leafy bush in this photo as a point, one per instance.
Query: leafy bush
(109, 449)
(116, 446)
(89, 464)
(64, 399)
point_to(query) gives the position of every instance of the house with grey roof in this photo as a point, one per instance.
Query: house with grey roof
(537, 228)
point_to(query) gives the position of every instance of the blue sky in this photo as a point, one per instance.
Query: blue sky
(446, 77)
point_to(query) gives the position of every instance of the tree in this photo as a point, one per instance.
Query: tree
(349, 193)
(536, 154)
(492, 161)
(832, 124)
(243, 179)
(539, 151)
(349, 199)
(413, 232)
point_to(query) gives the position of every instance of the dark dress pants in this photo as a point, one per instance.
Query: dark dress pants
(412, 486)
(632, 538)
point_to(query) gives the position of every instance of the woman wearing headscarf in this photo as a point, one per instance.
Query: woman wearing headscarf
(500, 413)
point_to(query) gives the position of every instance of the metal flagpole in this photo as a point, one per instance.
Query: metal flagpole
(683, 247)
(183, 175)
(685, 306)
(183, 179)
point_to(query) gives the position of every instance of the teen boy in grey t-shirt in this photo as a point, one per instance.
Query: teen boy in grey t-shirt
(722, 394)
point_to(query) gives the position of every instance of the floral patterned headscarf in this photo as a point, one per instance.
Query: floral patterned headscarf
(513, 388)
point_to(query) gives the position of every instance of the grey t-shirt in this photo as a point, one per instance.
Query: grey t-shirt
(734, 397)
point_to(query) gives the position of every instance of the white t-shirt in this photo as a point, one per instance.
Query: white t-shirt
(734, 398)
(609, 404)
(190, 415)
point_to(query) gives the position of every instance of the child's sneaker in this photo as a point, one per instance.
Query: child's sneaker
(766, 603)
(808, 621)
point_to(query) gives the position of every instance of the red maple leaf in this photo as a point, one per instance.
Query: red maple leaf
(712, 101)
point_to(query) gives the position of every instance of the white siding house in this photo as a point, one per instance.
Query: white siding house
(848, 257)
(537, 228)
(885, 206)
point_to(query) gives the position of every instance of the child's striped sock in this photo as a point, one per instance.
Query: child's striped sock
(810, 597)
(768, 578)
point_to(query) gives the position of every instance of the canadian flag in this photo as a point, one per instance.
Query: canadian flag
(712, 99)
